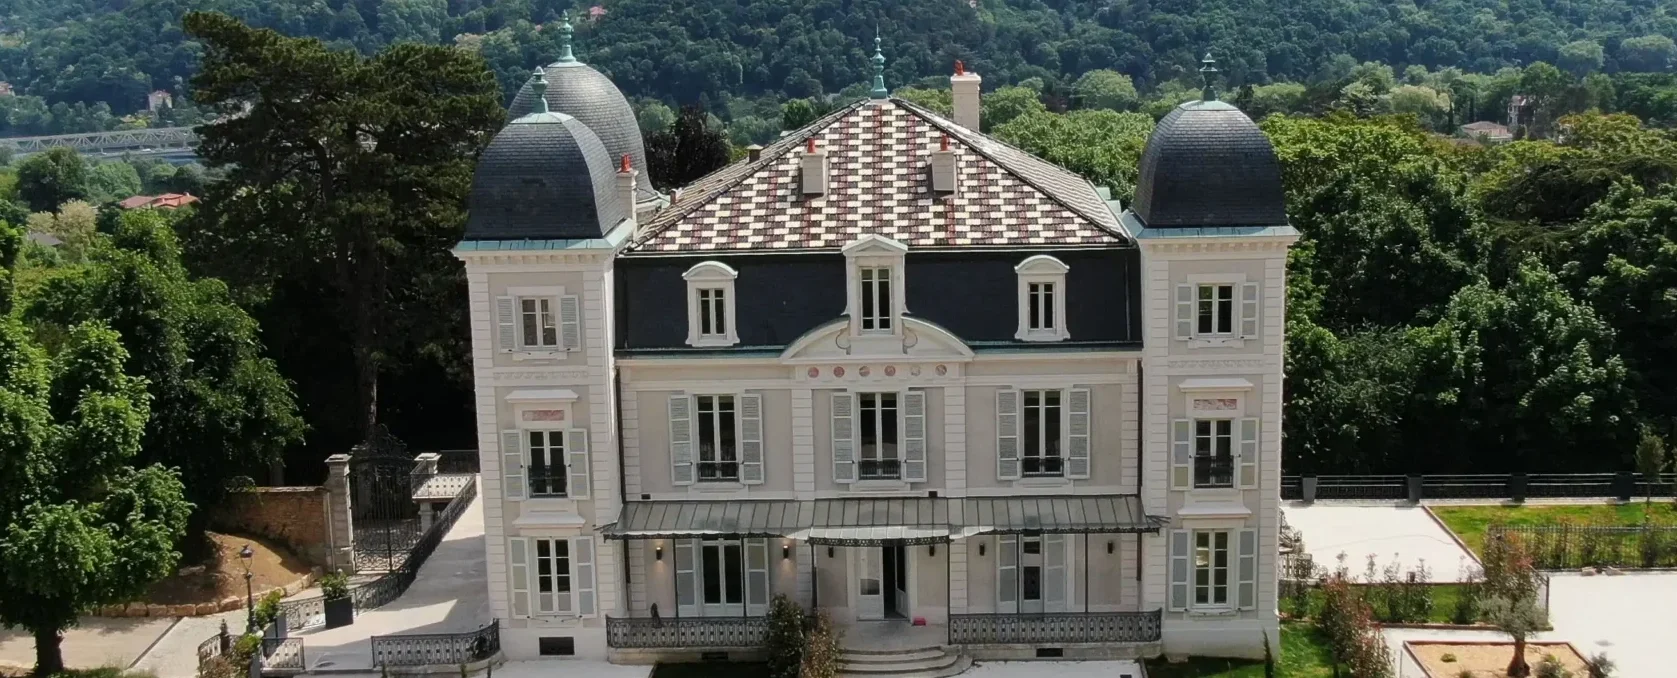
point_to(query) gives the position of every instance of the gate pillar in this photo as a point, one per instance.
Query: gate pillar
(424, 468)
(341, 534)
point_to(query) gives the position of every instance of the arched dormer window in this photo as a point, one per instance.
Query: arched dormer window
(710, 305)
(1042, 299)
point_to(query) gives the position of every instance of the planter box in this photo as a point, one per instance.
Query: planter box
(340, 612)
(1309, 489)
(1517, 486)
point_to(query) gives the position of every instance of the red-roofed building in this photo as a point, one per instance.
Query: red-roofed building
(165, 201)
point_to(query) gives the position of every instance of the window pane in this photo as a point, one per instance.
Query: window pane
(1035, 298)
(530, 321)
(705, 326)
(562, 566)
(1048, 306)
(1207, 323)
(713, 574)
(867, 299)
(870, 430)
(550, 330)
(720, 311)
(725, 428)
(707, 428)
(1033, 423)
(735, 573)
(1032, 583)
(1051, 423)
(888, 439)
(884, 301)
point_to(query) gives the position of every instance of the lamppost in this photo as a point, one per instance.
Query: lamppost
(245, 555)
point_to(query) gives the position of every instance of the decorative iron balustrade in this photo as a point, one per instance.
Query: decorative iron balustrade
(686, 633)
(283, 654)
(1479, 486)
(437, 649)
(1055, 627)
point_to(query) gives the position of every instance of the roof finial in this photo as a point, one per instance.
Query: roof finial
(1208, 74)
(879, 91)
(538, 87)
(566, 56)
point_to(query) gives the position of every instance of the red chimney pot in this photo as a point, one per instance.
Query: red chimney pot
(626, 163)
(960, 68)
(809, 147)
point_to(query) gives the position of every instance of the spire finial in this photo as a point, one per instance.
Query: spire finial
(565, 31)
(538, 87)
(879, 91)
(1208, 74)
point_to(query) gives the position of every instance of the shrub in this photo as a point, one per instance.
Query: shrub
(1550, 667)
(267, 609)
(784, 645)
(1467, 601)
(1448, 658)
(1599, 666)
(334, 585)
(1465, 673)
(1347, 622)
(821, 648)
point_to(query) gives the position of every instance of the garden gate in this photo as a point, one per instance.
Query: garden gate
(381, 501)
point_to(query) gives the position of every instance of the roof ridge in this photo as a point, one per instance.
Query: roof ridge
(958, 131)
(775, 151)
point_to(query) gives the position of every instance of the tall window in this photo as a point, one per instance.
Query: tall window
(879, 435)
(876, 298)
(713, 313)
(1041, 301)
(547, 463)
(718, 451)
(553, 576)
(723, 566)
(539, 327)
(1211, 569)
(1042, 433)
(1214, 453)
(1216, 309)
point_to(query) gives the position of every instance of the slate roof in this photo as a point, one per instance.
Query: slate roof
(579, 91)
(1207, 164)
(878, 155)
(544, 176)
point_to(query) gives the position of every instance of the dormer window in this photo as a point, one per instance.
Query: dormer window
(875, 274)
(876, 298)
(710, 305)
(1042, 299)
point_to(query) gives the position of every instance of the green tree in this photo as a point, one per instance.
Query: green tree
(345, 185)
(1431, 107)
(1581, 57)
(1650, 53)
(218, 408)
(1007, 103)
(50, 179)
(1519, 618)
(940, 100)
(1102, 88)
(111, 181)
(688, 150)
(655, 117)
(1650, 462)
(1102, 145)
(80, 526)
(796, 113)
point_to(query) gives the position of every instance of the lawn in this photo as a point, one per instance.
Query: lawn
(1304, 654)
(1470, 522)
(1444, 600)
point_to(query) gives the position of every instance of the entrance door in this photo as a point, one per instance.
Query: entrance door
(722, 572)
(896, 581)
(1030, 575)
(870, 589)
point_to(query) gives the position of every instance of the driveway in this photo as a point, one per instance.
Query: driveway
(98, 642)
(1389, 531)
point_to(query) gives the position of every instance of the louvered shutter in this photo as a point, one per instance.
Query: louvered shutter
(518, 559)
(512, 465)
(570, 323)
(1077, 437)
(914, 436)
(1007, 435)
(1054, 572)
(1007, 574)
(686, 579)
(1246, 566)
(1184, 312)
(1249, 310)
(681, 440)
(582, 564)
(1179, 569)
(751, 439)
(576, 461)
(1247, 464)
(1181, 454)
(844, 438)
(756, 576)
(506, 324)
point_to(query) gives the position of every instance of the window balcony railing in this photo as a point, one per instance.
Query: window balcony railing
(1055, 627)
(686, 633)
(880, 469)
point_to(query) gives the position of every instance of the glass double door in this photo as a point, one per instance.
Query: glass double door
(882, 582)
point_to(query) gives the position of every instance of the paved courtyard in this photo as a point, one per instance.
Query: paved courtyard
(1389, 531)
(97, 643)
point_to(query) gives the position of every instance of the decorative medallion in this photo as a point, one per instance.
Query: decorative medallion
(814, 372)
(863, 372)
(942, 370)
(543, 415)
(914, 370)
(890, 370)
(838, 371)
(1217, 404)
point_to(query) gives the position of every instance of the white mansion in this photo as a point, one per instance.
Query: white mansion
(801, 375)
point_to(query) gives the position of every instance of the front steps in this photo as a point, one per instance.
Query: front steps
(924, 662)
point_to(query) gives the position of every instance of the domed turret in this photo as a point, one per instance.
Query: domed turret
(1207, 164)
(546, 175)
(581, 92)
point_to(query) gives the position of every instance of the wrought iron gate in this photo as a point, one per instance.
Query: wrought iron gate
(381, 501)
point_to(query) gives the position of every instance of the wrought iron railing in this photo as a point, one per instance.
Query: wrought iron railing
(1481, 486)
(690, 632)
(306, 612)
(1569, 547)
(283, 654)
(1055, 627)
(437, 649)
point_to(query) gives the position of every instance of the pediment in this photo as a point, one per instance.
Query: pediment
(920, 340)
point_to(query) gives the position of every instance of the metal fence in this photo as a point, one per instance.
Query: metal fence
(1055, 627)
(1478, 486)
(1574, 546)
(437, 649)
(700, 632)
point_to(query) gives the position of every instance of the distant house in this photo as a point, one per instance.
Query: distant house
(159, 100)
(1490, 131)
(165, 201)
(595, 12)
(5, 89)
(47, 239)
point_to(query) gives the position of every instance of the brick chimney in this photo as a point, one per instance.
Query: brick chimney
(963, 85)
(814, 164)
(626, 185)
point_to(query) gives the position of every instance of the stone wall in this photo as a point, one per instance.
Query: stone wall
(298, 517)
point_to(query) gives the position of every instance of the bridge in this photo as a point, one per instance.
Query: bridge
(158, 141)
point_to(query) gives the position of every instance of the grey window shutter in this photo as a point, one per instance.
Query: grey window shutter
(751, 439)
(576, 453)
(512, 465)
(1246, 563)
(1181, 454)
(1077, 436)
(1007, 574)
(1179, 570)
(582, 563)
(756, 576)
(1247, 462)
(1007, 435)
(1184, 312)
(1054, 572)
(506, 324)
(570, 323)
(518, 558)
(686, 577)
(914, 436)
(844, 438)
(681, 440)
(1249, 310)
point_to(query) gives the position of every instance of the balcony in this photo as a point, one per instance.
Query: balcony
(691, 633)
(1055, 628)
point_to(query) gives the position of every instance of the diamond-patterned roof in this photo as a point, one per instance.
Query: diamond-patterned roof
(878, 155)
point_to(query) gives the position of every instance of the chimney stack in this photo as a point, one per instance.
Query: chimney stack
(964, 88)
(943, 168)
(626, 185)
(814, 164)
(753, 153)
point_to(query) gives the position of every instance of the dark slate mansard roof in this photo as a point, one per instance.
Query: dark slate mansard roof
(545, 176)
(581, 92)
(1207, 164)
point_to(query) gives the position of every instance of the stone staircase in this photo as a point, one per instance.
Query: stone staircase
(924, 662)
